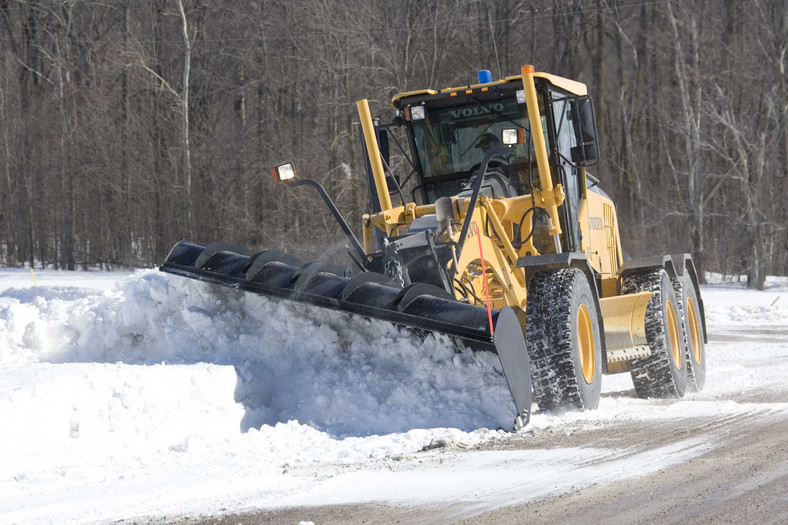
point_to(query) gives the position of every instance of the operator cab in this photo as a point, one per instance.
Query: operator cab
(451, 130)
(450, 143)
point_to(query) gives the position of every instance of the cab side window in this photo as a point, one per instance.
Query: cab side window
(565, 140)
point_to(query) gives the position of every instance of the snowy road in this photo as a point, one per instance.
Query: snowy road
(156, 396)
(721, 458)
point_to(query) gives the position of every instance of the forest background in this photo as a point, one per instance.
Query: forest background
(128, 125)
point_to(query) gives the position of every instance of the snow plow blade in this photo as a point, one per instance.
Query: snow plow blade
(420, 308)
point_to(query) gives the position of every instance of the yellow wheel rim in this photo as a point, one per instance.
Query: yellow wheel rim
(673, 335)
(692, 317)
(585, 343)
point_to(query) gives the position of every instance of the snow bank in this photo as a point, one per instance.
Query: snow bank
(91, 279)
(730, 303)
(93, 409)
(164, 396)
(342, 375)
(97, 441)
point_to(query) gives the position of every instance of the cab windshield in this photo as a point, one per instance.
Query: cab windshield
(452, 142)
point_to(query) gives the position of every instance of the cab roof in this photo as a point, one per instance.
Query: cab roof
(572, 86)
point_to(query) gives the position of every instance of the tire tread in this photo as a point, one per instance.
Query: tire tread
(652, 375)
(549, 339)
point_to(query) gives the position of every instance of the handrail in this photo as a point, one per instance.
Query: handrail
(354, 244)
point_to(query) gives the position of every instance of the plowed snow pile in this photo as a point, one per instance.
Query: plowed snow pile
(280, 361)
(161, 369)
(161, 395)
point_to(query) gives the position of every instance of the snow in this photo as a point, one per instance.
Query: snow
(145, 394)
(292, 363)
(496, 478)
(733, 305)
(21, 278)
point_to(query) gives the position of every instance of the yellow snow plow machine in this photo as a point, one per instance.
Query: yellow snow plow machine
(506, 244)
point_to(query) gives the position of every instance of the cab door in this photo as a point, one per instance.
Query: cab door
(565, 172)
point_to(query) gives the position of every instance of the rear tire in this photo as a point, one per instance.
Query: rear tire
(563, 339)
(694, 348)
(663, 373)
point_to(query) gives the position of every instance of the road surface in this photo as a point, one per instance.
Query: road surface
(728, 468)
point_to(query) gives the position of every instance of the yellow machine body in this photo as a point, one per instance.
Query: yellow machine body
(513, 249)
(494, 221)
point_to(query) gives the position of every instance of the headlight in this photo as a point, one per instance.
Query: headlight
(513, 136)
(417, 112)
(283, 172)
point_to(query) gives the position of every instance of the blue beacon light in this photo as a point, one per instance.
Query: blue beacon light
(485, 76)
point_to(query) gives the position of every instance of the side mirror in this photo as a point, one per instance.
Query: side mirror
(586, 153)
(283, 172)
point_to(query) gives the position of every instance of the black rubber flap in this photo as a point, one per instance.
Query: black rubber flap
(184, 253)
(326, 285)
(509, 342)
(220, 246)
(450, 311)
(415, 290)
(260, 259)
(308, 271)
(275, 275)
(227, 263)
(371, 289)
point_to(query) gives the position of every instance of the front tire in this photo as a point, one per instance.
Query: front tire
(564, 340)
(663, 374)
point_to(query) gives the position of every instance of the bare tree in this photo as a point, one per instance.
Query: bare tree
(687, 71)
(118, 121)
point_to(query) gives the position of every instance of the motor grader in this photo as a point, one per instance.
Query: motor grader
(505, 243)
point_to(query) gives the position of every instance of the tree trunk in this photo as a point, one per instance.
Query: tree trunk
(66, 182)
(187, 159)
(7, 197)
(688, 78)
